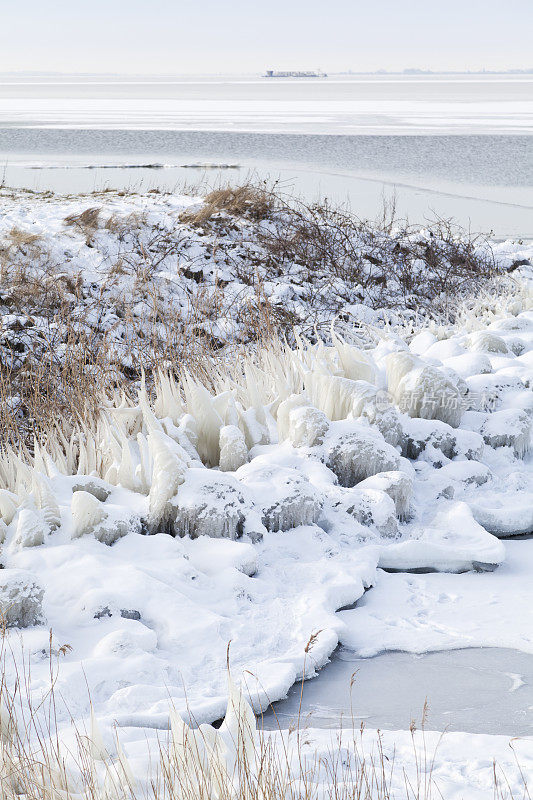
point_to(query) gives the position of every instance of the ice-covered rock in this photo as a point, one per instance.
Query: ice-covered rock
(209, 504)
(505, 520)
(452, 542)
(428, 393)
(285, 497)
(486, 342)
(359, 453)
(95, 486)
(397, 485)
(467, 473)
(386, 419)
(87, 513)
(233, 449)
(106, 524)
(469, 364)
(307, 426)
(420, 435)
(301, 423)
(487, 392)
(468, 444)
(31, 529)
(114, 526)
(508, 428)
(20, 599)
(372, 508)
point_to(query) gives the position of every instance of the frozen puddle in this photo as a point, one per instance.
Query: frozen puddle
(476, 690)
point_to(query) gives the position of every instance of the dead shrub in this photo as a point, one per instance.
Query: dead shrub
(87, 218)
(248, 202)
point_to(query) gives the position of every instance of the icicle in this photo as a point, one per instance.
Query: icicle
(97, 749)
(45, 500)
(355, 363)
(168, 401)
(208, 420)
(240, 726)
(397, 365)
(8, 725)
(149, 418)
(143, 473)
(168, 474)
(233, 450)
(126, 469)
(8, 505)
(87, 513)
(124, 769)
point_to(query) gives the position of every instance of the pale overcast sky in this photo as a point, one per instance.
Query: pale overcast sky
(191, 36)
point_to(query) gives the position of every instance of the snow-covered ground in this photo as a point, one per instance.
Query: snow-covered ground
(424, 765)
(136, 267)
(270, 505)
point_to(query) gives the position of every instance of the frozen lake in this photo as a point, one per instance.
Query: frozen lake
(449, 146)
(476, 690)
(461, 641)
(340, 104)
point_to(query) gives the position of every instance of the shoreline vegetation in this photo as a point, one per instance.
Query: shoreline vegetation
(288, 400)
(96, 289)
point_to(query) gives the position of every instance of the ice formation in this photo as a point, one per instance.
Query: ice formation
(355, 455)
(255, 509)
(20, 599)
(233, 450)
(87, 513)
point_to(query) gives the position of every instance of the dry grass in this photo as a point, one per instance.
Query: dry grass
(68, 344)
(87, 220)
(246, 202)
(37, 762)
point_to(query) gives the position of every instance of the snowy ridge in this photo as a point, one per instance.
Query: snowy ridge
(269, 506)
(135, 267)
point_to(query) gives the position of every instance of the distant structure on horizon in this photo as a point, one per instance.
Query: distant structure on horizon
(311, 73)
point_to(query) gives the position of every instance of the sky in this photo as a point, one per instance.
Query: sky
(210, 36)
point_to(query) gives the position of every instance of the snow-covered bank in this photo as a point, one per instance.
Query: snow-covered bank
(292, 487)
(94, 287)
(254, 506)
(418, 765)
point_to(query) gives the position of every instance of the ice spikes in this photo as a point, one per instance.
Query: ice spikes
(97, 748)
(45, 500)
(87, 513)
(240, 727)
(8, 505)
(355, 363)
(169, 469)
(200, 403)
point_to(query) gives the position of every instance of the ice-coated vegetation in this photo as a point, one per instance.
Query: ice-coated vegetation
(304, 468)
(248, 497)
(95, 288)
